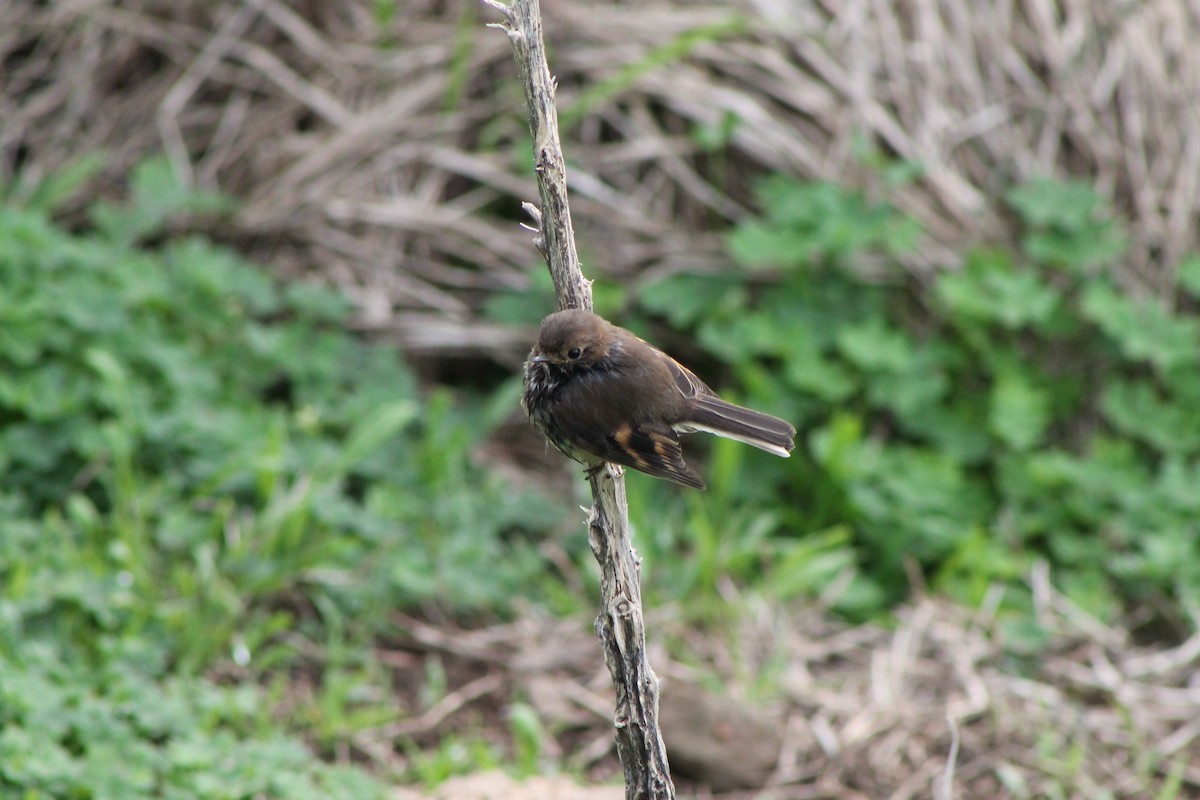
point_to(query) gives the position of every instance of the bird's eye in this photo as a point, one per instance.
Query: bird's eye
(574, 353)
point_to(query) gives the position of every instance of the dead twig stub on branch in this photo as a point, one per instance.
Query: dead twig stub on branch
(619, 625)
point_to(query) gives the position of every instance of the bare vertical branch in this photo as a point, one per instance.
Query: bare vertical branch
(619, 625)
(622, 632)
(523, 24)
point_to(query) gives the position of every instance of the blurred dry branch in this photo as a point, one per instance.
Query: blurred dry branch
(387, 155)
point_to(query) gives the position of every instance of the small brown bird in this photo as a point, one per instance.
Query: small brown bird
(599, 392)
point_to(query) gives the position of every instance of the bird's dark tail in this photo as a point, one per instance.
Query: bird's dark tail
(714, 415)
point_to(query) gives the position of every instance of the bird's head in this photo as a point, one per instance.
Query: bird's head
(573, 339)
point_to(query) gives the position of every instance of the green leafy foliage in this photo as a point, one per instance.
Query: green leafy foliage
(175, 415)
(1022, 407)
(1067, 224)
(117, 733)
(806, 223)
(201, 466)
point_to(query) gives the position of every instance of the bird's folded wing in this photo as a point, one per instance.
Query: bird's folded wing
(653, 451)
(689, 385)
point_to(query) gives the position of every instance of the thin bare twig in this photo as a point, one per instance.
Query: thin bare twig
(619, 625)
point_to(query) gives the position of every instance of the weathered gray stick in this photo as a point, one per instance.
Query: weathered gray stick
(619, 624)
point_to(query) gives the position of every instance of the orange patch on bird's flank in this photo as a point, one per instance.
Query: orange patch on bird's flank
(623, 434)
(623, 437)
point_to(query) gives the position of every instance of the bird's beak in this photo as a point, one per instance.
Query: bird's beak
(539, 360)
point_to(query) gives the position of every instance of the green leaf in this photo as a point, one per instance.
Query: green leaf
(155, 194)
(1142, 328)
(741, 336)
(685, 299)
(1019, 411)
(916, 503)
(372, 431)
(914, 393)
(529, 737)
(840, 449)
(875, 346)
(313, 302)
(813, 223)
(763, 246)
(1104, 245)
(990, 289)
(958, 430)
(1069, 205)
(1089, 589)
(822, 377)
(608, 297)
(1070, 224)
(1188, 275)
(524, 306)
(54, 190)
(1135, 408)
